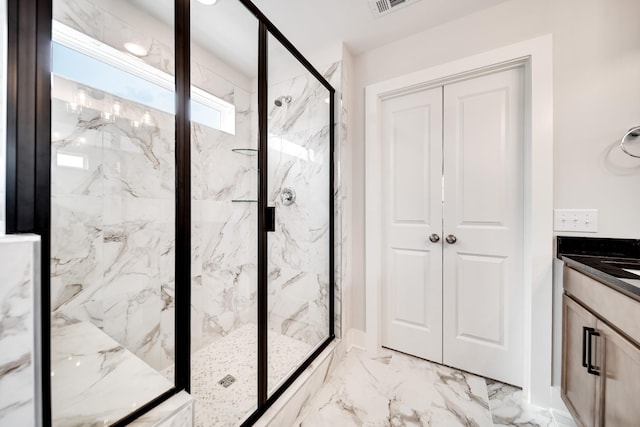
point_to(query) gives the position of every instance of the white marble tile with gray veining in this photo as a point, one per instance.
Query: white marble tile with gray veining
(138, 282)
(224, 292)
(509, 409)
(81, 15)
(288, 408)
(119, 30)
(77, 260)
(211, 82)
(17, 331)
(96, 19)
(338, 77)
(396, 389)
(299, 250)
(113, 226)
(139, 159)
(224, 230)
(88, 369)
(177, 411)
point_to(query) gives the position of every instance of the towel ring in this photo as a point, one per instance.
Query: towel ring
(634, 132)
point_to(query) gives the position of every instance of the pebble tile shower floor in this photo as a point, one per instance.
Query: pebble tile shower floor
(235, 355)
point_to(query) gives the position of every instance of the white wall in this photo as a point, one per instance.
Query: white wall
(596, 99)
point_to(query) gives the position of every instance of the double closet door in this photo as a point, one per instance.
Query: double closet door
(453, 159)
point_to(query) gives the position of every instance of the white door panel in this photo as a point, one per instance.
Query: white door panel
(411, 302)
(480, 280)
(483, 208)
(459, 304)
(412, 167)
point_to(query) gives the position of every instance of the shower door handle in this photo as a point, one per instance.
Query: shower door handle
(270, 218)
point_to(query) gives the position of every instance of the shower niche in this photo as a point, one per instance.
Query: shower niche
(191, 211)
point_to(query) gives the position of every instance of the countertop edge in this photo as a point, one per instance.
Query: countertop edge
(604, 278)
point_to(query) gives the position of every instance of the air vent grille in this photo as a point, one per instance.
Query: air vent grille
(383, 7)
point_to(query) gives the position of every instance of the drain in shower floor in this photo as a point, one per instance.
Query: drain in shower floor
(227, 381)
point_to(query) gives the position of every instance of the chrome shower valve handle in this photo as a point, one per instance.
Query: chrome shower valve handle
(288, 196)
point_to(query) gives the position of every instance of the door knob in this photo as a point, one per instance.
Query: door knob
(451, 239)
(434, 237)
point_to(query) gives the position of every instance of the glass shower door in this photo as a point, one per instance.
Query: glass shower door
(113, 220)
(298, 186)
(224, 219)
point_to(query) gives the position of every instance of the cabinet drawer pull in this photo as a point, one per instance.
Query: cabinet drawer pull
(585, 332)
(590, 368)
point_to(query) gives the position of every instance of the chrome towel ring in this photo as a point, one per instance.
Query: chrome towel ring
(633, 132)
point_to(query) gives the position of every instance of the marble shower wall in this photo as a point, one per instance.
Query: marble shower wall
(340, 81)
(19, 260)
(96, 19)
(113, 225)
(223, 232)
(299, 249)
(224, 218)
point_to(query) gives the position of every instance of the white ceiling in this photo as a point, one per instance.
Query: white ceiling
(228, 31)
(314, 24)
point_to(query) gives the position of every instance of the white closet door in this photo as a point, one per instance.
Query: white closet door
(483, 209)
(412, 211)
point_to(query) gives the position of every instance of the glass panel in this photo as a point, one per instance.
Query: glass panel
(298, 187)
(224, 65)
(3, 111)
(113, 215)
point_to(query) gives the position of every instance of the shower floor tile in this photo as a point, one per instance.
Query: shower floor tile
(235, 355)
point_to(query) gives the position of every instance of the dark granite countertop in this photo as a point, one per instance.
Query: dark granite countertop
(613, 262)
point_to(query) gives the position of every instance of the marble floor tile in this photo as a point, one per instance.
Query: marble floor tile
(508, 408)
(397, 390)
(564, 419)
(400, 390)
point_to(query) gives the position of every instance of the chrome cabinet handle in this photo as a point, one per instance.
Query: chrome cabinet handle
(434, 237)
(451, 239)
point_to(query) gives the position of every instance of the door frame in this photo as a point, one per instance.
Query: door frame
(535, 55)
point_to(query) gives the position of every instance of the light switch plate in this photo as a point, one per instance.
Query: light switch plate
(579, 220)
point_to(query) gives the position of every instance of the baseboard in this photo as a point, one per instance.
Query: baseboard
(356, 338)
(559, 409)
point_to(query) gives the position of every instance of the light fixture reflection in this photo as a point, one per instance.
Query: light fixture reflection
(136, 49)
(78, 101)
(208, 2)
(146, 119)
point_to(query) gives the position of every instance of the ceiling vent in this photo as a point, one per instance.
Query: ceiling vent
(383, 7)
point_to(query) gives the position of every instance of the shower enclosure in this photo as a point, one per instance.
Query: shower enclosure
(189, 210)
(261, 263)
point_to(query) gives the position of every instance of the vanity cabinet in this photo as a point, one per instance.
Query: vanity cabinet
(600, 358)
(578, 385)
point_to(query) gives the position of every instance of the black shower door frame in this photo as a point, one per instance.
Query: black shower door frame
(28, 183)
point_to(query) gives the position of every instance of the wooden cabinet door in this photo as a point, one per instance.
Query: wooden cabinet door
(619, 387)
(578, 386)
